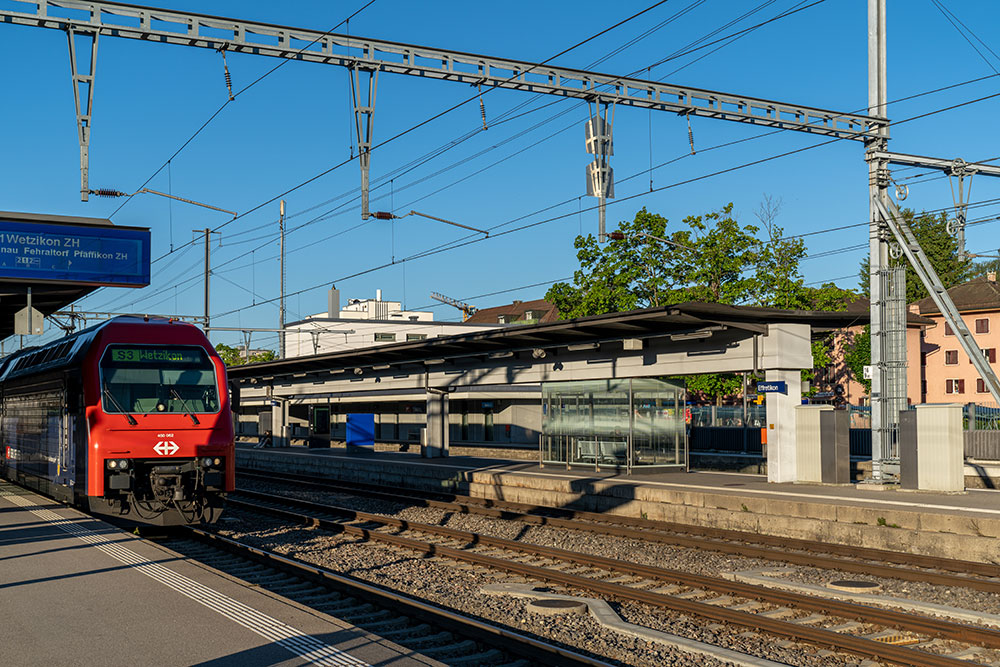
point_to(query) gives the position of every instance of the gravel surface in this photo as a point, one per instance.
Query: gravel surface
(660, 555)
(458, 586)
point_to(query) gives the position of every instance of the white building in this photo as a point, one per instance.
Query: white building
(364, 323)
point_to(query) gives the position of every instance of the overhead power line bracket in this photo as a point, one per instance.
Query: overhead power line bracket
(83, 97)
(939, 294)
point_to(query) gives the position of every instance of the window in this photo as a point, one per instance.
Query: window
(385, 337)
(983, 325)
(990, 354)
(950, 357)
(947, 330)
(416, 336)
(981, 387)
(954, 387)
(529, 315)
(158, 378)
(501, 319)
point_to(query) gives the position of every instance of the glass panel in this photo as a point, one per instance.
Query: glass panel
(158, 378)
(658, 436)
(591, 423)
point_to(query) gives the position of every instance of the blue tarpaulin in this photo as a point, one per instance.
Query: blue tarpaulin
(361, 431)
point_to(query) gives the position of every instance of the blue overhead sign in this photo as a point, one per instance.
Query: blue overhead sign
(84, 254)
(777, 387)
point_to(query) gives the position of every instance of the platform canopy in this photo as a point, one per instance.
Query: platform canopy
(62, 259)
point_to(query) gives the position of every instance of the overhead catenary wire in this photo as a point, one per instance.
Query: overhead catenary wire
(231, 99)
(410, 129)
(737, 141)
(744, 165)
(707, 149)
(436, 116)
(827, 142)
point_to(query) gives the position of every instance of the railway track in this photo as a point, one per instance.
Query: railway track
(881, 634)
(436, 633)
(844, 558)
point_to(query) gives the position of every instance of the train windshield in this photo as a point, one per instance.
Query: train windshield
(148, 379)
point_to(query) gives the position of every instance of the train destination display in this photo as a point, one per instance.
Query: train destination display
(157, 355)
(98, 254)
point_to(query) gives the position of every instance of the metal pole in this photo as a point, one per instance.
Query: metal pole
(745, 424)
(281, 307)
(207, 271)
(878, 248)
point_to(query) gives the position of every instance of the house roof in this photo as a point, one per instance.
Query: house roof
(978, 294)
(515, 311)
(862, 305)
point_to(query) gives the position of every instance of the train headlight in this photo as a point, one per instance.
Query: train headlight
(217, 461)
(112, 464)
(123, 464)
(207, 461)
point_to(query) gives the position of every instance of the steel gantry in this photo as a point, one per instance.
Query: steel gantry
(365, 57)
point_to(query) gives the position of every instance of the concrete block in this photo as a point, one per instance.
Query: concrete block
(808, 434)
(940, 448)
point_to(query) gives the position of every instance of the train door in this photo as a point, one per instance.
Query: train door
(66, 460)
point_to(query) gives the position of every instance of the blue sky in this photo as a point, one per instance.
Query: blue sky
(297, 122)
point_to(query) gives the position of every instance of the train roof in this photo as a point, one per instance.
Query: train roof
(65, 351)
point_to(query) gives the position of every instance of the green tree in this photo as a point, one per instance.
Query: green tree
(858, 355)
(232, 356)
(941, 249)
(982, 268)
(713, 258)
(620, 275)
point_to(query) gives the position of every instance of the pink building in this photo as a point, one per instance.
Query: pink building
(946, 375)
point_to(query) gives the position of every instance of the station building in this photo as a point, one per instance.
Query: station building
(499, 415)
(366, 323)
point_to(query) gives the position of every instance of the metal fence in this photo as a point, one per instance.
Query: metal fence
(730, 416)
(719, 429)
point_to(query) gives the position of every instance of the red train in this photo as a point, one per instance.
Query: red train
(128, 418)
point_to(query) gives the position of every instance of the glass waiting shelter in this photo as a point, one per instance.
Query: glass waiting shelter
(633, 423)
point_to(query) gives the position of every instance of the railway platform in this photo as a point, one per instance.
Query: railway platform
(962, 526)
(79, 590)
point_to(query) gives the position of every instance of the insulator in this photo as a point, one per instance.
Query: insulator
(482, 108)
(382, 215)
(690, 135)
(229, 79)
(108, 192)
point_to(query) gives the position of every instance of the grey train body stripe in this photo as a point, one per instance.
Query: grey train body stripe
(304, 646)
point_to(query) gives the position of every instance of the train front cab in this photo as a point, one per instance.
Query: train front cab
(160, 432)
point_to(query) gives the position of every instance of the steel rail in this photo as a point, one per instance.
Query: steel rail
(926, 626)
(167, 26)
(464, 626)
(736, 542)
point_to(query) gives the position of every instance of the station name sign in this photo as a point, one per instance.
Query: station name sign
(777, 387)
(82, 254)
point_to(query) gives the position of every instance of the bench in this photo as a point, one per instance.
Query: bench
(602, 451)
